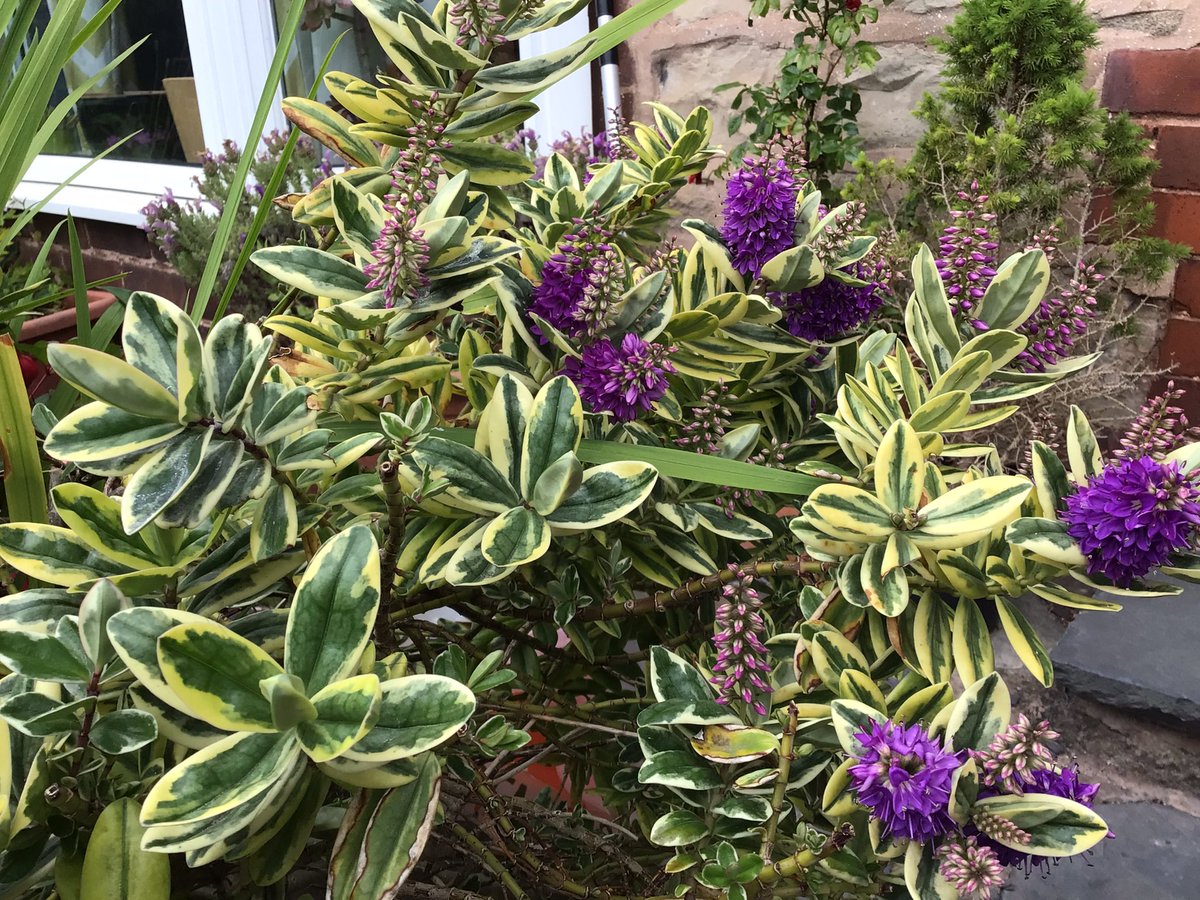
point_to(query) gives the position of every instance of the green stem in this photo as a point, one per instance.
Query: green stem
(394, 499)
(786, 746)
(686, 593)
(489, 859)
(804, 859)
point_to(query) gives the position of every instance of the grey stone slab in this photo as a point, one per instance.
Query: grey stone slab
(1145, 659)
(1152, 857)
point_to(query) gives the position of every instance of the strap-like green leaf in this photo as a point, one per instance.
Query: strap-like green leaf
(115, 864)
(219, 779)
(383, 835)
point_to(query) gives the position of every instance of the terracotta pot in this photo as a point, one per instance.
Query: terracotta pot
(60, 325)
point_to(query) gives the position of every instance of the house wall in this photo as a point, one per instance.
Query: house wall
(706, 43)
(1147, 63)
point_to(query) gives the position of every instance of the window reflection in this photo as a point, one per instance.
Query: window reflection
(150, 98)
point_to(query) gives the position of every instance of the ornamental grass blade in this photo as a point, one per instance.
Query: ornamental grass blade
(24, 490)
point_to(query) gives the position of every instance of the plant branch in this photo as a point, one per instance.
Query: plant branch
(786, 755)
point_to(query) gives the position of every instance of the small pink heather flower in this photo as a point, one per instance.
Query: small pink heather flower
(742, 666)
(966, 261)
(1015, 754)
(709, 420)
(400, 252)
(972, 870)
(998, 828)
(1159, 428)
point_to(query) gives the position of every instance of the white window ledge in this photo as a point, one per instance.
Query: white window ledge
(109, 191)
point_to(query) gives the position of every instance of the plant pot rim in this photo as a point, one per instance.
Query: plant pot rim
(63, 321)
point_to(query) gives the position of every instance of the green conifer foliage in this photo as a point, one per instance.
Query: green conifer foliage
(1014, 116)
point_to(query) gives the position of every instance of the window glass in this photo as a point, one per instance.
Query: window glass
(358, 53)
(150, 98)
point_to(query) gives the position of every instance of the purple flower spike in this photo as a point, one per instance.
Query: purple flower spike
(580, 282)
(624, 380)
(760, 214)
(832, 308)
(1131, 517)
(904, 778)
(742, 667)
(966, 263)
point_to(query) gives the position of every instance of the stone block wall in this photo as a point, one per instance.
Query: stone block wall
(705, 43)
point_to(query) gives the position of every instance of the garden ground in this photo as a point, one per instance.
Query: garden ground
(1142, 751)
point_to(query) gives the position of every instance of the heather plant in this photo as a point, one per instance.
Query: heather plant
(184, 232)
(530, 486)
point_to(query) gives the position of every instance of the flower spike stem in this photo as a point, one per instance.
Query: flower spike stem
(394, 498)
(489, 859)
(798, 862)
(685, 593)
(786, 755)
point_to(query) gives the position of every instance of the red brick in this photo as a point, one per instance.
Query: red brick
(1153, 81)
(1178, 157)
(1187, 287)
(1180, 347)
(1177, 218)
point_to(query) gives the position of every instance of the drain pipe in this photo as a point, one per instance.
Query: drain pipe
(610, 73)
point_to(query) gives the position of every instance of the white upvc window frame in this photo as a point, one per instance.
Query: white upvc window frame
(231, 43)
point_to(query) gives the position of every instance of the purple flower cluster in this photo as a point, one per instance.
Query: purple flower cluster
(743, 665)
(476, 22)
(400, 252)
(708, 421)
(161, 223)
(1131, 517)
(581, 150)
(834, 307)
(319, 13)
(624, 380)
(772, 456)
(760, 214)
(1015, 755)
(1059, 320)
(904, 777)
(1159, 428)
(972, 868)
(966, 263)
(580, 281)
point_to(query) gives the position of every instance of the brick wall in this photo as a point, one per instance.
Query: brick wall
(110, 250)
(1161, 88)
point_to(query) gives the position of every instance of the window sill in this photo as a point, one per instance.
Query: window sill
(109, 191)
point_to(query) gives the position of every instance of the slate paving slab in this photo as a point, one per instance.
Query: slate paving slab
(1152, 857)
(1145, 660)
